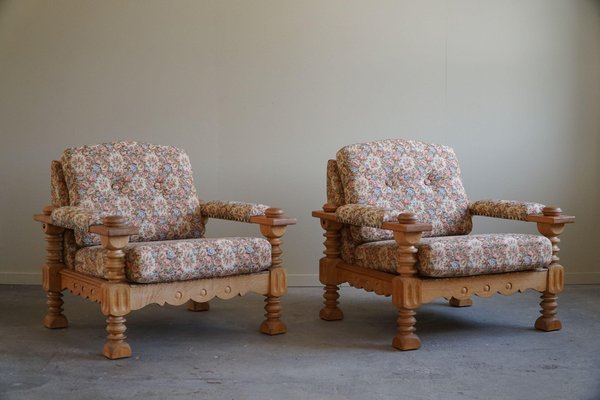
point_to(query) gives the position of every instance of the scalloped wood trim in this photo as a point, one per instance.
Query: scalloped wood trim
(459, 288)
(202, 290)
(175, 293)
(483, 285)
(82, 285)
(367, 279)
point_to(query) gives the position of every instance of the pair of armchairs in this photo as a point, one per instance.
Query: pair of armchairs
(126, 229)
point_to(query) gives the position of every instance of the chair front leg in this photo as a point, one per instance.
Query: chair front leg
(406, 287)
(273, 325)
(54, 318)
(405, 296)
(327, 268)
(116, 292)
(555, 282)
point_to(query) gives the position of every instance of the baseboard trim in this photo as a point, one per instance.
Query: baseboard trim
(35, 278)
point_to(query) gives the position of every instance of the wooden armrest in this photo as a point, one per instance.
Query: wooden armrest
(404, 224)
(46, 217)
(273, 217)
(328, 216)
(551, 215)
(43, 218)
(114, 225)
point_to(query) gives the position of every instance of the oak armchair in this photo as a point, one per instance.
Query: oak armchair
(126, 229)
(397, 223)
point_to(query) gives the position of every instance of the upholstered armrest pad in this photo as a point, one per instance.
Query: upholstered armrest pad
(506, 209)
(79, 219)
(76, 218)
(364, 215)
(232, 210)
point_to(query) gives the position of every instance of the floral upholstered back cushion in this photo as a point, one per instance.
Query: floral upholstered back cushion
(405, 175)
(335, 197)
(59, 192)
(150, 185)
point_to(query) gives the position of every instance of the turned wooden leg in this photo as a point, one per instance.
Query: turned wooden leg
(331, 312)
(454, 302)
(406, 338)
(273, 325)
(51, 280)
(55, 319)
(551, 228)
(548, 321)
(198, 306)
(116, 346)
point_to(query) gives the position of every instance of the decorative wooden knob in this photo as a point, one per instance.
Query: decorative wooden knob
(114, 221)
(407, 218)
(551, 211)
(329, 207)
(48, 210)
(274, 212)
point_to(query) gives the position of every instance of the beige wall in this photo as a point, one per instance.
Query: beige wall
(262, 93)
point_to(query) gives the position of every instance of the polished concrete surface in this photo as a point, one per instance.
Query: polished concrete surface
(488, 351)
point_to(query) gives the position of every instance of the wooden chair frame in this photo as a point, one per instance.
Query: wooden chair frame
(409, 290)
(117, 297)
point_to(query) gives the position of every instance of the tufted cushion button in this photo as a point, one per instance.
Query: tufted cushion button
(427, 181)
(157, 185)
(125, 190)
(115, 186)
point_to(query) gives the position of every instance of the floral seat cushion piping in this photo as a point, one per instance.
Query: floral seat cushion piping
(179, 260)
(453, 256)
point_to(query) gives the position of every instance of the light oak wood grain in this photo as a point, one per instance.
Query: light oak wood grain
(117, 297)
(409, 290)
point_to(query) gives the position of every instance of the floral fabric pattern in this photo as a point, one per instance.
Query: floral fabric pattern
(69, 248)
(232, 210)
(335, 190)
(463, 255)
(348, 246)
(79, 219)
(180, 260)
(362, 215)
(506, 209)
(150, 185)
(406, 175)
(335, 197)
(58, 188)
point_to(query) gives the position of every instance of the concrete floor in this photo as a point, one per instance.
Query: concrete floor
(488, 351)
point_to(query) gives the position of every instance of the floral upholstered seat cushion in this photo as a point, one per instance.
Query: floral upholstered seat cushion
(180, 260)
(405, 175)
(150, 185)
(453, 256)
